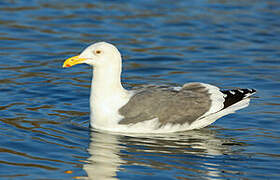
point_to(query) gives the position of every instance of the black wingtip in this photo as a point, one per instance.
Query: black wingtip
(236, 95)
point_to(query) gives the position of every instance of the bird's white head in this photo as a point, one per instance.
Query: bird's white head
(97, 54)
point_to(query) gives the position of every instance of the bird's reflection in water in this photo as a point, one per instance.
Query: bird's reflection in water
(105, 158)
(186, 153)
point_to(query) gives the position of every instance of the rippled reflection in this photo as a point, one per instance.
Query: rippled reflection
(105, 160)
(185, 154)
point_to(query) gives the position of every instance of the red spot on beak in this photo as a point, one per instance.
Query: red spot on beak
(68, 65)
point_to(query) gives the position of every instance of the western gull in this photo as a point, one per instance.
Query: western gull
(151, 109)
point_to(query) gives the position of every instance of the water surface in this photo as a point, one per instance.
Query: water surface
(44, 109)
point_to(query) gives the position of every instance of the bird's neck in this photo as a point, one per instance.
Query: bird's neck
(107, 96)
(107, 82)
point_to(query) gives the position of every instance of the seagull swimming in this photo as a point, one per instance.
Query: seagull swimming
(151, 109)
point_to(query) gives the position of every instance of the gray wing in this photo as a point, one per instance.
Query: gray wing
(167, 104)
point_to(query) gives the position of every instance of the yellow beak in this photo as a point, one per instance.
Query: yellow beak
(73, 61)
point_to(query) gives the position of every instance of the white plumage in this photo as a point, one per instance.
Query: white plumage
(152, 109)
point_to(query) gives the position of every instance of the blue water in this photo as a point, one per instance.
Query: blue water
(44, 109)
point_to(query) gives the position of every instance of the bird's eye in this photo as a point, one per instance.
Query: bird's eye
(97, 52)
